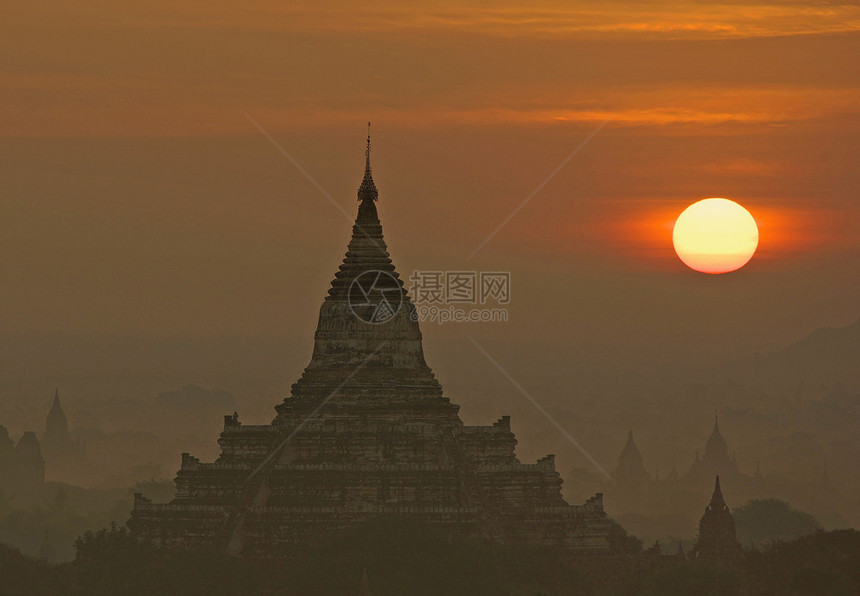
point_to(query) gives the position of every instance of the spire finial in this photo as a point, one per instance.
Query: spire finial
(367, 191)
(367, 151)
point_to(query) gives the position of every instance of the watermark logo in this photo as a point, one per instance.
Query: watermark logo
(445, 296)
(375, 297)
(455, 314)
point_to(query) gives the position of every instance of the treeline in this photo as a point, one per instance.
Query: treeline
(405, 558)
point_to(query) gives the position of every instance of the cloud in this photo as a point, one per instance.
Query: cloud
(699, 20)
(505, 19)
(155, 68)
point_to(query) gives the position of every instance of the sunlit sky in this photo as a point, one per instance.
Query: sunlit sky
(138, 198)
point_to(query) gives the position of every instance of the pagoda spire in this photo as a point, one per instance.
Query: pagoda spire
(717, 500)
(367, 152)
(56, 441)
(630, 469)
(367, 194)
(366, 325)
(717, 539)
(367, 191)
(56, 422)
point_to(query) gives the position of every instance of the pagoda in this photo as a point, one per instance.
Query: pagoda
(717, 539)
(716, 459)
(57, 442)
(366, 433)
(630, 471)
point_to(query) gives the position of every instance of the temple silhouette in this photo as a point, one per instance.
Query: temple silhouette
(630, 471)
(715, 459)
(366, 433)
(717, 539)
(631, 474)
(22, 464)
(57, 442)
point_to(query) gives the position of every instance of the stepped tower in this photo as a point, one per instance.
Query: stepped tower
(366, 433)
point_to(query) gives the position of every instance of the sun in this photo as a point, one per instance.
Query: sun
(715, 236)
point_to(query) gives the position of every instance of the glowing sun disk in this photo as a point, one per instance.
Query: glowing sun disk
(715, 236)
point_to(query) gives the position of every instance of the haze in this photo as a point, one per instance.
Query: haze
(152, 237)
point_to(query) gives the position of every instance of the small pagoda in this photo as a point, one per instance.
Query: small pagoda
(365, 434)
(630, 472)
(717, 540)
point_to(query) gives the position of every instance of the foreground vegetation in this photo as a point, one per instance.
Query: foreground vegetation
(403, 558)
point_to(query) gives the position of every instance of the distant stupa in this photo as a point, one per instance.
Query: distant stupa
(22, 466)
(56, 442)
(29, 465)
(631, 469)
(366, 433)
(717, 539)
(716, 460)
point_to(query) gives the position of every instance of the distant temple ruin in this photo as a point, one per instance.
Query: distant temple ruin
(57, 442)
(22, 464)
(717, 539)
(716, 459)
(630, 472)
(366, 433)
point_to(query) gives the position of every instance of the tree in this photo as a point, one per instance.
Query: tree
(22, 575)
(822, 563)
(764, 521)
(622, 543)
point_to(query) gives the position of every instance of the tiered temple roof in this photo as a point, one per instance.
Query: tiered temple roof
(366, 432)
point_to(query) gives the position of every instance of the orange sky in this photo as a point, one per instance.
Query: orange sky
(137, 198)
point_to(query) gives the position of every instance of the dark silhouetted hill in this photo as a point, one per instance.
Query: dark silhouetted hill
(825, 358)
